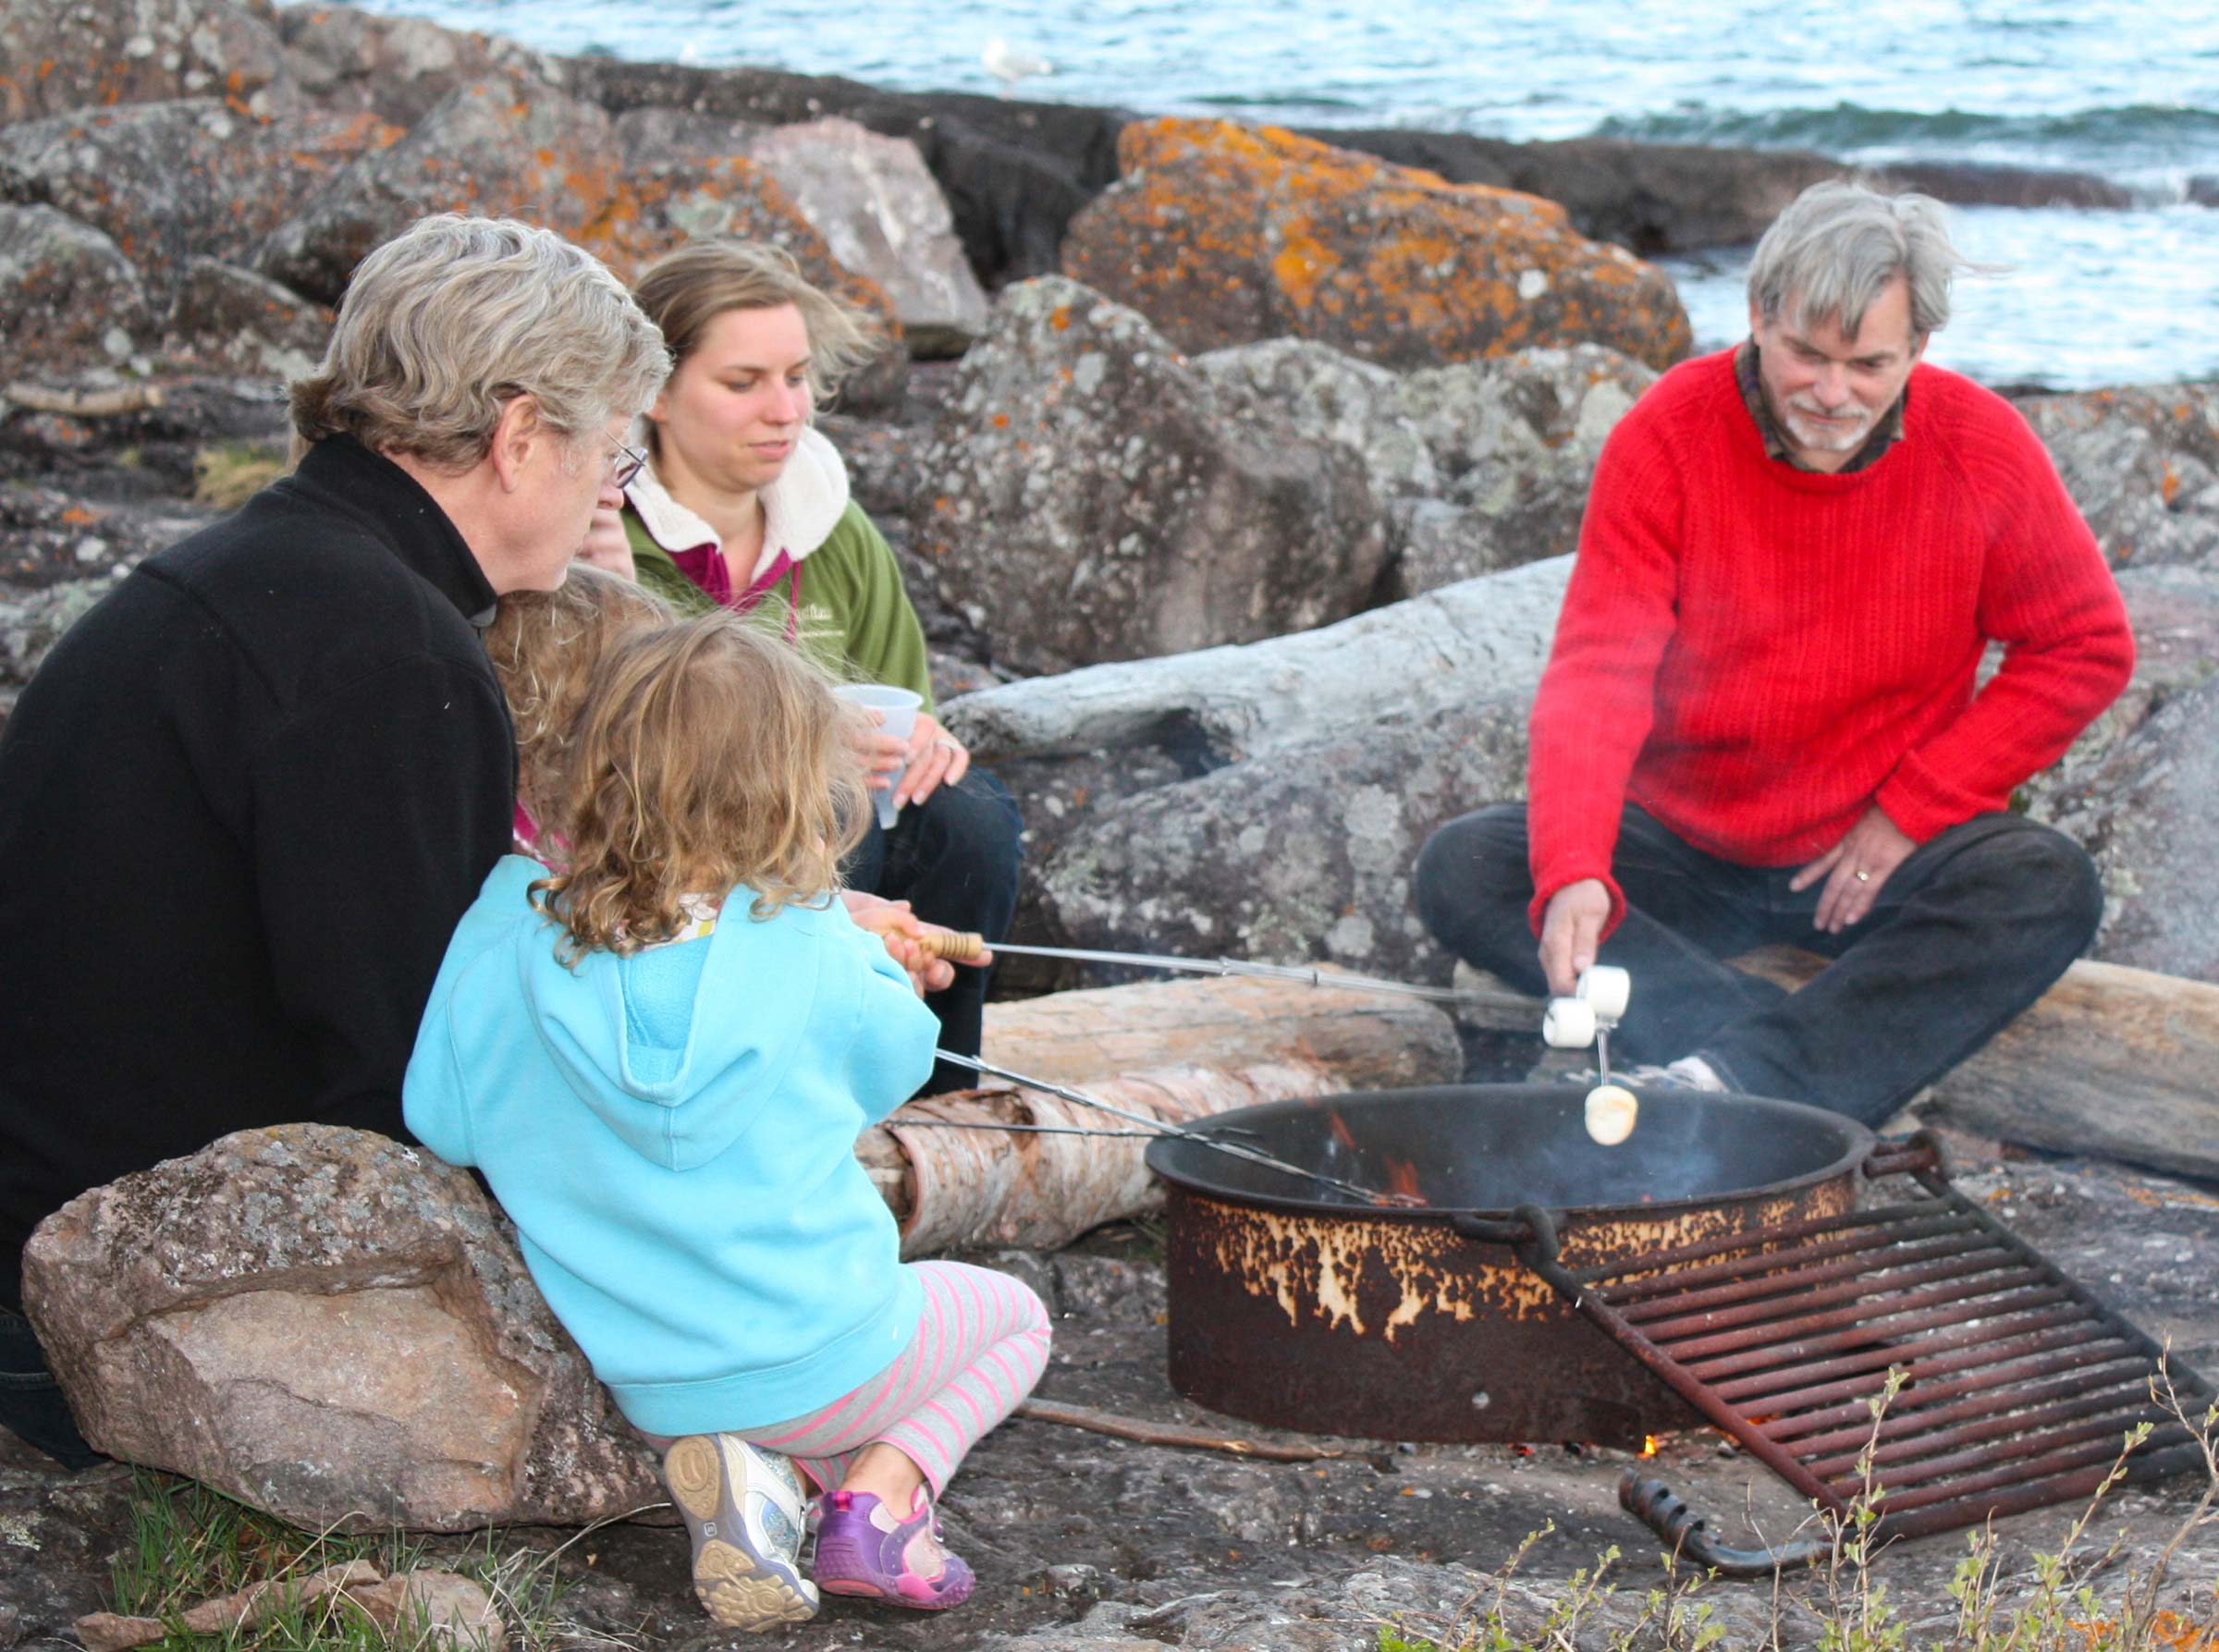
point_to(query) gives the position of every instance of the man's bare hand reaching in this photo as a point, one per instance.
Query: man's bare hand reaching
(1571, 930)
(1854, 869)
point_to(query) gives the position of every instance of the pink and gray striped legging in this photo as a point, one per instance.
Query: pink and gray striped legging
(980, 1347)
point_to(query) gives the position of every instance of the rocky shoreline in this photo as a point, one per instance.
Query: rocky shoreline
(1235, 473)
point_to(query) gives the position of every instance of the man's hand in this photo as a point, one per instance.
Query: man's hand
(1571, 930)
(936, 758)
(606, 547)
(1855, 870)
(899, 928)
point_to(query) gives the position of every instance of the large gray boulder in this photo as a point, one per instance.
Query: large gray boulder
(1268, 802)
(69, 298)
(2144, 466)
(519, 148)
(1091, 496)
(333, 1328)
(398, 68)
(498, 146)
(1479, 466)
(188, 178)
(2140, 789)
(227, 318)
(1223, 234)
(62, 54)
(883, 216)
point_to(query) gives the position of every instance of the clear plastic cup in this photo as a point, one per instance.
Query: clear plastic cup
(897, 710)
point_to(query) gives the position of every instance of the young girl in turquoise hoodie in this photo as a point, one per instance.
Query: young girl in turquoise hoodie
(660, 1057)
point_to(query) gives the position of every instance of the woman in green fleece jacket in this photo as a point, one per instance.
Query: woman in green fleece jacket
(744, 504)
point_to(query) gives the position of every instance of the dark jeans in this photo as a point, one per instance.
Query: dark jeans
(1971, 928)
(32, 1407)
(954, 859)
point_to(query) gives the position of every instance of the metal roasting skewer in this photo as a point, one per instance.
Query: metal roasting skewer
(961, 948)
(1159, 1127)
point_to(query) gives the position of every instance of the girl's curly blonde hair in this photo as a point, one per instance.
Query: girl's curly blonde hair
(546, 646)
(709, 756)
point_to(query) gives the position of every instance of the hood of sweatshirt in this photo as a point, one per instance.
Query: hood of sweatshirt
(801, 508)
(747, 1018)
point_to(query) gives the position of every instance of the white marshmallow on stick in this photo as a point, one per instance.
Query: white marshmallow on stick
(1611, 1113)
(1606, 989)
(1569, 1023)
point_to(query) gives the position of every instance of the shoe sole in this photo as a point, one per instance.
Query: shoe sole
(741, 1585)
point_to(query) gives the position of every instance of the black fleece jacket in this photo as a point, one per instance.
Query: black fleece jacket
(242, 806)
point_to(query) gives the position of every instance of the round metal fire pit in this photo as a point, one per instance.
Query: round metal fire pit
(1292, 1307)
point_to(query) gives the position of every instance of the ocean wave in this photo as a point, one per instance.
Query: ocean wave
(2140, 138)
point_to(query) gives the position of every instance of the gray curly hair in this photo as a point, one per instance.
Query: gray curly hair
(455, 317)
(1839, 244)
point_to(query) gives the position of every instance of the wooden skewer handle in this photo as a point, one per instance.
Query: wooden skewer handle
(956, 947)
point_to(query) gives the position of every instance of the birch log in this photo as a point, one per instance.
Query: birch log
(1172, 1051)
(2115, 1062)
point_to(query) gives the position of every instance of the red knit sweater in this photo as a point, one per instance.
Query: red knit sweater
(1757, 655)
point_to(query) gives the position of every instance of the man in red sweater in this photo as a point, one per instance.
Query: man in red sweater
(1760, 721)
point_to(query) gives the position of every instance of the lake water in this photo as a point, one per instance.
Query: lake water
(2125, 89)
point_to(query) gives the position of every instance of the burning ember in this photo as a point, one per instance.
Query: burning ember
(1648, 1445)
(1401, 1193)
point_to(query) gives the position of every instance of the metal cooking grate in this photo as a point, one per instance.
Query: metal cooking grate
(2020, 1384)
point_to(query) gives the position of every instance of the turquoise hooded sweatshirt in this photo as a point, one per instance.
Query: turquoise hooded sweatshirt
(678, 1149)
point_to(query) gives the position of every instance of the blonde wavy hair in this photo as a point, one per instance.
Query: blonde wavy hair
(547, 647)
(709, 756)
(455, 317)
(683, 291)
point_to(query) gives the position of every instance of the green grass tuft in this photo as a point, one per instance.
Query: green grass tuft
(228, 476)
(190, 1544)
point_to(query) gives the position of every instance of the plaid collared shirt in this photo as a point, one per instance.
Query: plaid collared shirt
(1886, 432)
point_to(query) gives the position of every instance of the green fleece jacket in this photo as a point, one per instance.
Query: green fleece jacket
(854, 614)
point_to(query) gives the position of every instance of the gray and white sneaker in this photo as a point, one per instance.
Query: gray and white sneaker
(1689, 1073)
(742, 1510)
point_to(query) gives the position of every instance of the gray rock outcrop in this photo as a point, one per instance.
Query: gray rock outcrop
(68, 297)
(62, 54)
(883, 217)
(1093, 498)
(2140, 789)
(1268, 802)
(1223, 234)
(1479, 466)
(333, 1328)
(397, 68)
(522, 149)
(235, 321)
(2144, 466)
(193, 177)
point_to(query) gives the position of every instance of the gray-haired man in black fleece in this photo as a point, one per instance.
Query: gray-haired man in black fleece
(246, 798)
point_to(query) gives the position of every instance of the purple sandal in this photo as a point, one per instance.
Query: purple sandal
(863, 1549)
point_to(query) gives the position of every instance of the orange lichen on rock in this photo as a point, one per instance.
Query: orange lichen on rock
(1222, 233)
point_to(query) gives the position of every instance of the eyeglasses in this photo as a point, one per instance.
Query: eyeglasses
(624, 465)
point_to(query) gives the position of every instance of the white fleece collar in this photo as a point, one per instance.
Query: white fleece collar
(801, 508)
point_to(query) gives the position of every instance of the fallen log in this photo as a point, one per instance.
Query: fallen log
(84, 404)
(1006, 1166)
(2114, 1062)
(1373, 1040)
